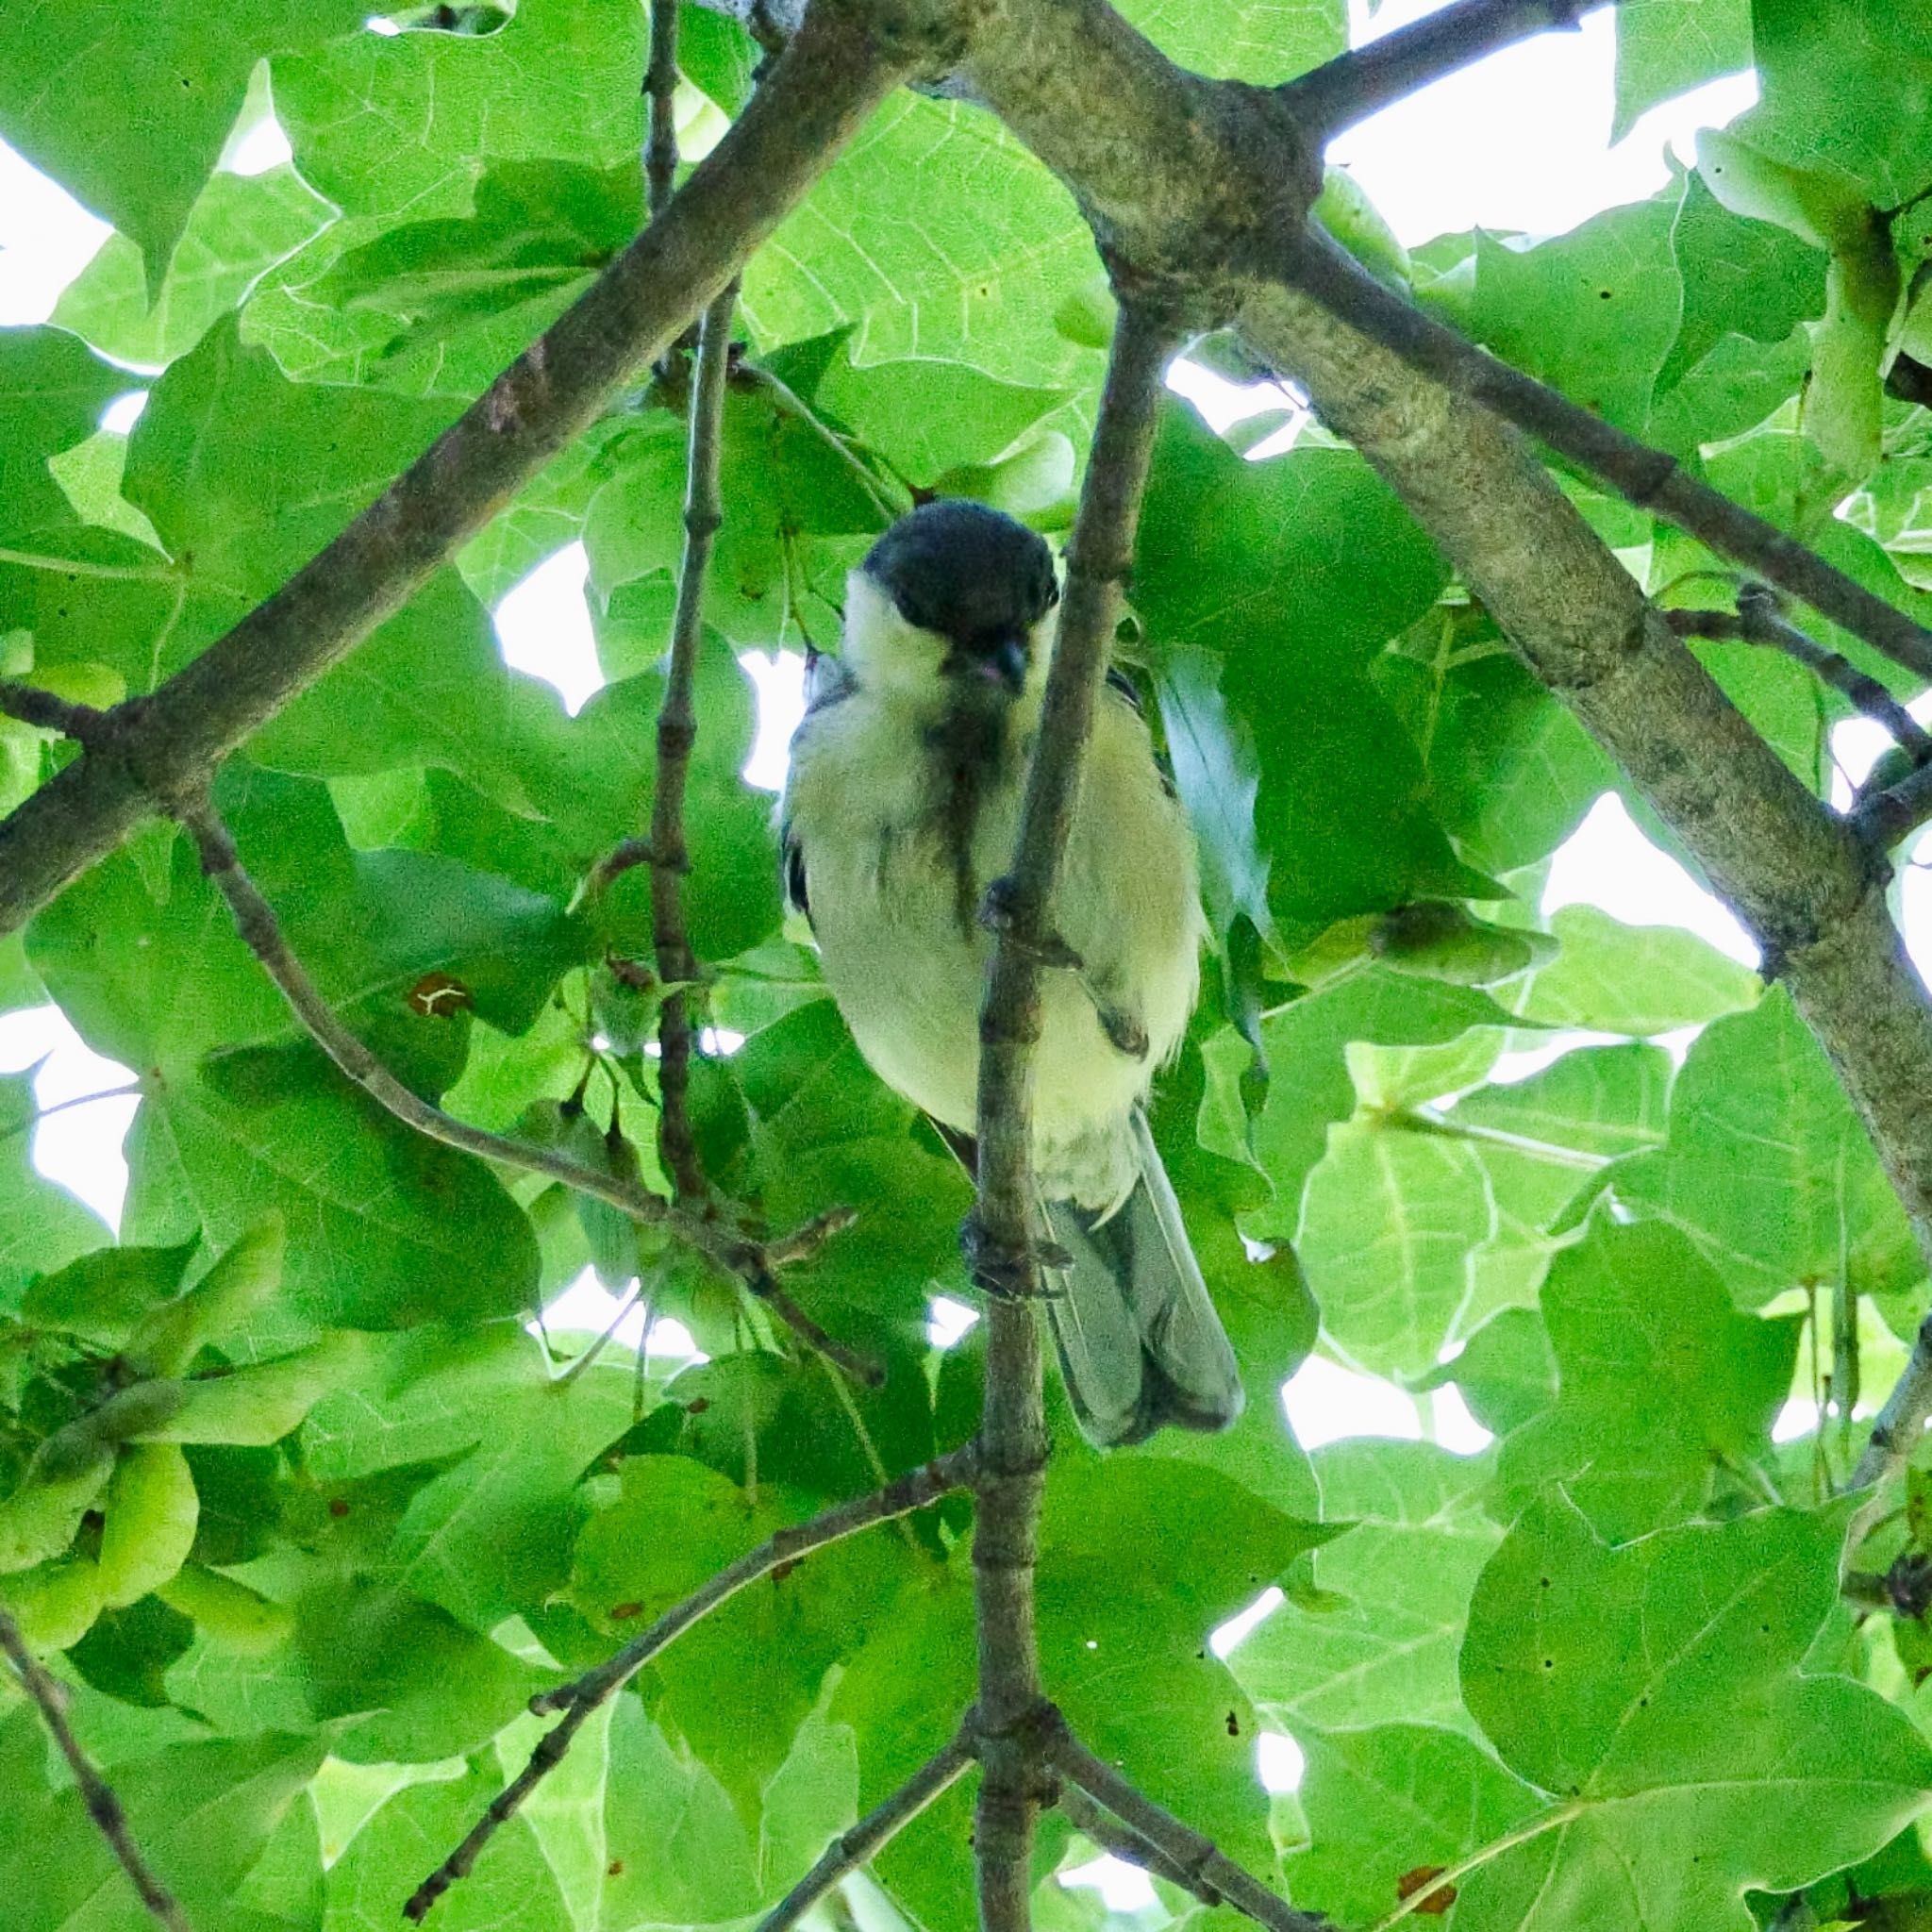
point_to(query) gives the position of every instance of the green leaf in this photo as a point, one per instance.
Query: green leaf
(1592, 313)
(51, 393)
(1389, 1223)
(1385, 1803)
(1249, 39)
(1665, 1388)
(391, 1855)
(1848, 102)
(1376, 1639)
(1507, 1373)
(130, 114)
(1666, 47)
(937, 234)
(492, 1537)
(1638, 979)
(105, 1296)
(928, 416)
(41, 1226)
(788, 490)
(1140, 1561)
(477, 291)
(1596, 1099)
(431, 688)
(1767, 1168)
(200, 1813)
(1744, 276)
(1310, 1085)
(240, 227)
(1334, 801)
(419, 1686)
(1510, 770)
(738, 1686)
(1596, 1672)
(392, 1230)
(384, 126)
(369, 927)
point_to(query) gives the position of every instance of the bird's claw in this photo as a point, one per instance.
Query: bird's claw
(999, 912)
(1008, 1273)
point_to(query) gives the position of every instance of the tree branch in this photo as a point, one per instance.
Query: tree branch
(873, 1832)
(660, 93)
(30, 704)
(1886, 819)
(1897, 1429)
(1644, 477)
(1122, 1841)
(579, 1698)
(1194, 1861)
(844, 59)
(1359, 83)
(726, 1250)
(1000, 1234)
(677, 732)
(103, 1807)
(1758, 621)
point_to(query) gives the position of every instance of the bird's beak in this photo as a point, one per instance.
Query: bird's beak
(1000, 661)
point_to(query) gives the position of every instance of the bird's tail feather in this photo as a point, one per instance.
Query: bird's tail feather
(1140, 1343)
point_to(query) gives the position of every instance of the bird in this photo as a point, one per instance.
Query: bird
(901, 806)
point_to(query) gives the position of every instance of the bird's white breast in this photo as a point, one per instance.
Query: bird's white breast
(908, 976)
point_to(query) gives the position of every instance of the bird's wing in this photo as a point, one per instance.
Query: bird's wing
(829, 681)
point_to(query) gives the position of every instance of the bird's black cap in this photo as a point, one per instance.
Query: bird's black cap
(969, 572)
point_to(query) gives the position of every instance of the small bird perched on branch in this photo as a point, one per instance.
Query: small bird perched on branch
(902, 806)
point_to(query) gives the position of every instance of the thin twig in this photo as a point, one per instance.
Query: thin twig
(726, 1250)
(30, 704)
(625, 856)
(103, 1807)
(1896, 1430)
(1122, 1841)
(1887, 817)
(578, 1699)
(794, 404)
(1647, 477)
(660, 93)
(1000, 1234)
(632, 1295)
(678, 730)
(1197, 1862)
(843, 61)
(877, 1829)
(1357, 84)
(1758, 621)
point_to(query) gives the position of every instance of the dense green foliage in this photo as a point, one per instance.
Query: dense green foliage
(285, 1476)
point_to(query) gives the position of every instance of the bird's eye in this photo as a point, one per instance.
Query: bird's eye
(913, 612)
